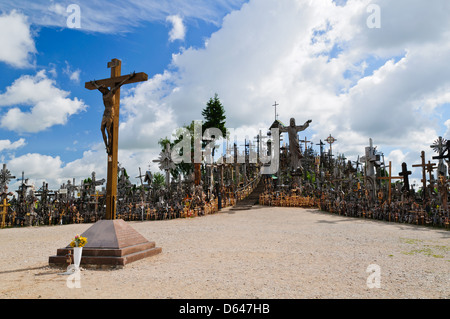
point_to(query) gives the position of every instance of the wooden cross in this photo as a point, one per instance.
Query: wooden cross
(424, 175)
(430, 167)
(405, 174)
(5, 211)
(306, 143)
(390, 178)
(113, 81)
(97, 195)
(321, 144)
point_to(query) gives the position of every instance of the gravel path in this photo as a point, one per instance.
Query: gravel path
(267, 252)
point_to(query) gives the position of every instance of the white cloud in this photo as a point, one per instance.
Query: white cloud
(127, 14)
(447, 124)
(49, 105)
(73, 75)
(178, 30)
(7, 145)
(319, 61)
(16, 39)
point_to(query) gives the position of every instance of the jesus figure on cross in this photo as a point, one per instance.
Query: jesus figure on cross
(108, 114)
(294, 145)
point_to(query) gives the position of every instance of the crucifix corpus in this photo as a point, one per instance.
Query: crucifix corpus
(110, 89)
(294, 145)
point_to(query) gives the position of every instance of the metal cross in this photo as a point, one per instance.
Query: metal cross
(276, 115)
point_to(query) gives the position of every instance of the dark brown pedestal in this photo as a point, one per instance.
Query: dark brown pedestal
(111, 243)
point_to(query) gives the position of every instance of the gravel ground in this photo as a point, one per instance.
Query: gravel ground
(267, 252)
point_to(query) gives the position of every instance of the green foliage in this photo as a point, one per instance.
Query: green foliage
(214, 115)
(158, 180)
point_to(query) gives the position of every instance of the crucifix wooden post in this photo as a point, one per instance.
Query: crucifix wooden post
(111, 98)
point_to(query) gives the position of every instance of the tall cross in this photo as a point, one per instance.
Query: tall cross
(321, 144)
(276, 115)
(330, 140)
(424, 174)
(5, 177)
(405, 174)
(439, 147)
(114, 82)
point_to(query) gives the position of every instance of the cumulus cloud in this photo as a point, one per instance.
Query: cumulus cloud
(17, 43)
(48, 104)
(8, 145)
(178, 30)
(74, 75)
(319, 61)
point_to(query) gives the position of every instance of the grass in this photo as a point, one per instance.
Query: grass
(435, 251)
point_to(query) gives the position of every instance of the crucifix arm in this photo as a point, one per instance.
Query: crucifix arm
(94, 83)
(283, 129)
(304, 126)
(114, 89)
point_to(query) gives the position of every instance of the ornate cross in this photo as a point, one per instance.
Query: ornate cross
(165, 163)
(5, 177)
(440, 146)
(330, 140)
(110, 122)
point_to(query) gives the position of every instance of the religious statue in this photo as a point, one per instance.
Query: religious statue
(108, 114)
(294, 145)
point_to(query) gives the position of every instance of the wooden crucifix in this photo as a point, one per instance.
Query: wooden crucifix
(306, 144)
(110, 123)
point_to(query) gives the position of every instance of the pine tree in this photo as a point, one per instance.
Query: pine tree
(214, 115)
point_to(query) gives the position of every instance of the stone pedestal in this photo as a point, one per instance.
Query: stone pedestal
(111, 243)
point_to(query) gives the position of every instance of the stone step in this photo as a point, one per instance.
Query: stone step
(99, 258)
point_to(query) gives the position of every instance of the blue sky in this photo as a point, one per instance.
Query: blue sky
(318, 59)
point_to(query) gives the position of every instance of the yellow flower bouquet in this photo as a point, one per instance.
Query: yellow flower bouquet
(78, 241)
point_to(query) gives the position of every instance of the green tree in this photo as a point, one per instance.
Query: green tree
(214, 115)
(158, 180)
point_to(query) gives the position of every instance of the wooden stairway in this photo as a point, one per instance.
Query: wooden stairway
(250, 200)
